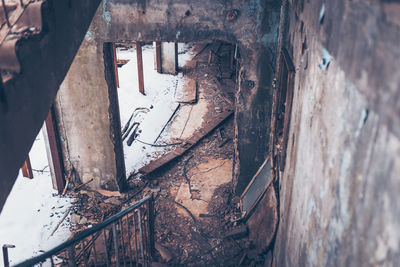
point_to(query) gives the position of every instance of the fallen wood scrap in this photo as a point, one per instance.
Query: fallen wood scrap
(108, 193)
(68, 180)
(164, 159)
(60, 222)
(79, 186)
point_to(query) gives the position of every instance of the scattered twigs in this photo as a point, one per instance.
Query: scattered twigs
(79, 186)
(225, 98)
(42, 170)
(60, 222)
(67, 183)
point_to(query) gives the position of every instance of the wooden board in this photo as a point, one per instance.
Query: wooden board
(186, 92)
(155, 164)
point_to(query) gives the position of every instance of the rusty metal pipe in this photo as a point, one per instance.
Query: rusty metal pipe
(5, 254)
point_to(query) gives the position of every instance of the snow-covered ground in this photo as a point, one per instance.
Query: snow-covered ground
(32, 211)
(159, 101)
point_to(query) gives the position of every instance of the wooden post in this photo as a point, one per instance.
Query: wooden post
(158, 57)
(55, 150)
(115, 65)
(140, 66)
(27, 168)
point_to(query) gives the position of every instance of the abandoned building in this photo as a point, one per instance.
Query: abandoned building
(200, 133)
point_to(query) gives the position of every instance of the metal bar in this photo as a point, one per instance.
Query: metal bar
(55, 150)
(140, 66)
(144, 230)
(136, 243)
(115, 65)
(84, 254)
(52, 261)
(6, 13)
(90, 231)
(71, 256)
(141, 236)
(115, 238)
(151, 225)
(105, 244)
(5, 254)
(146, 233)
(122, 240)
(27, 168)
(158, 57)
(94, 253)
(129, 239)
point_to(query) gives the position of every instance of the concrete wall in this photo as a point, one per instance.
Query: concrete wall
(339, 194)
(44, 61)
(85, 119)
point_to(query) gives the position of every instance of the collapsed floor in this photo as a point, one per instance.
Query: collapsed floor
(197, 215)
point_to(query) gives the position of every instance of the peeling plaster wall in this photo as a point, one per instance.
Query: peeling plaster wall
(339, 193)
(255, 31)
(83, 114)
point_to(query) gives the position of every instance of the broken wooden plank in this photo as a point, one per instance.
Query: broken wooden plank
(155, 164)
(186, 91)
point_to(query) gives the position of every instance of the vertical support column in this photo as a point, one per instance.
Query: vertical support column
(27, 168)
(53, 149)
(140, 66)
(158, 57)
(5, 254)
(169, 57)
(88, 118)
(115, 65)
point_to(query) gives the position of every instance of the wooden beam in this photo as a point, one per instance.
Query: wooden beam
(158, 57)
(55, 150)
(115, 65)
(140, 66)
(27, 169)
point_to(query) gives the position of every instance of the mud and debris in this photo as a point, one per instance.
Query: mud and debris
(198, 221)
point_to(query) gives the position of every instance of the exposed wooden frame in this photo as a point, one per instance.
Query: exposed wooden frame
(140, 67)
(158, 57)
(55, 150)
(27, 168)
(115, 65)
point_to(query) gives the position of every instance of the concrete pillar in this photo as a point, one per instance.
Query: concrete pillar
(169, 57)
(88, 116)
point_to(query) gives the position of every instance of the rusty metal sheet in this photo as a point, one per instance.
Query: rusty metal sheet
(257, 186)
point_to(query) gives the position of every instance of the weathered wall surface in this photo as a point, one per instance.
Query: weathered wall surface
(44, 61)
(84, 116)
(339, 200)
(255, 31)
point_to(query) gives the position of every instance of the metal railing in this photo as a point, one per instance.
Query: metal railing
(125, 238)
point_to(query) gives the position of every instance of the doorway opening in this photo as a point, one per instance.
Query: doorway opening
(170, 96)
